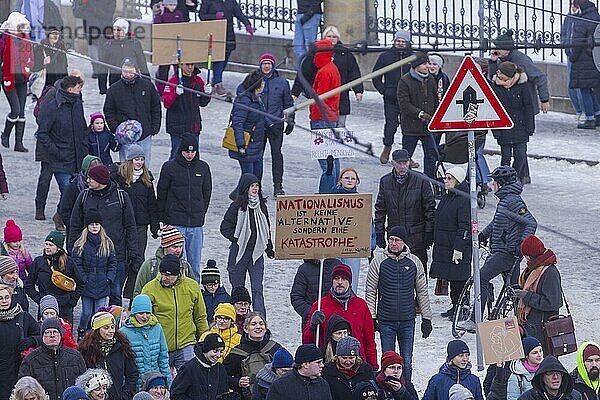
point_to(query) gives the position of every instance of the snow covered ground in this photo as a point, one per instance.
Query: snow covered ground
(563, 197)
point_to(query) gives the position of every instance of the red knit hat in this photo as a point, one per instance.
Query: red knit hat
(590, 350)
(100, 174)
(342, 270)
(391, 357)
(12, 232)
(266, 58)
(532, 247)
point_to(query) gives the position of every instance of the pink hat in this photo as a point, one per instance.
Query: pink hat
(95, 116)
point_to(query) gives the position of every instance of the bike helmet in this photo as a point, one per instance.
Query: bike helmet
(504, 174)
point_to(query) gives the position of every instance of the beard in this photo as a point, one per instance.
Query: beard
(594, 373)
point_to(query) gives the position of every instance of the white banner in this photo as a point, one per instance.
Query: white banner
(323, 143)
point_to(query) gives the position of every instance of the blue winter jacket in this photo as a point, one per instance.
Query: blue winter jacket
(439, 385)
(276, 97)
(211, 301)
(512, 222)
(100, 144)
(95, 272)
(244, 120)
(150, 347)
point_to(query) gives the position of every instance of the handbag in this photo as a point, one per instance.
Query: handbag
(441, 287)
(229, 139)
(559, 333)
(63, 281)
(37, 80)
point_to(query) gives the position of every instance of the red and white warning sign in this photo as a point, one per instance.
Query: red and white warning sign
(469, 103)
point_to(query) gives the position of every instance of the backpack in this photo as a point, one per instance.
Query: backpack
(252, 363)
(42, 99)
(86, 193)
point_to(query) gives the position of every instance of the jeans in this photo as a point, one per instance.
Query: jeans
(89, 307)
(391, 111)
(237, 275)
(218, 68)
(176, 142)
(116, 288)
(323, 162)
(589, 103)
(43, 186)
(252, 167)
(305, 35)
(495, 264)
(516, 151)
(274, 135)
(194, 237)
(16, 100)
(409, 143)
(404, 331)
(146, 146)
(574, 94)
(177, 358)
(482, 172)
(354, 264)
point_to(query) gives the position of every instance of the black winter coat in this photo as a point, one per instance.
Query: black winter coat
(231, 8)
(55, 370)
(118, 219)
(387, 84)
(411, 205)
(584, 73)
(512, 222)
(57, 68)
(452, 232)
(244, 120)
(122, 370)
(198, 380)
(305, 288)
(349, 70)
(587, 393)
(142, 104)
(518, 103)
(68, 198)
(406, 392)
(416, 94)
(113, 52)
(183, 111)
(39, 281)
(62, 131)
(184, 191)
(340, 386)
(309, 6)
(96, 273)
(143, 200)
(538, 392)
(20, 297)
(293, 386)
(16, 334)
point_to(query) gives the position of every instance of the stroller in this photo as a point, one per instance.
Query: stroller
(456, 151)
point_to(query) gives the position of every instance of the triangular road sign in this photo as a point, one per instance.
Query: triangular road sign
(469, 103)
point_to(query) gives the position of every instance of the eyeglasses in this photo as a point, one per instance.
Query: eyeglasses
(448, 178)
(222, 318)
(212, 285)
(242, 304)
(349, 178)
(553, 373)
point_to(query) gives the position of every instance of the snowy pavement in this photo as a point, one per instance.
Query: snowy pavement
(563, 198)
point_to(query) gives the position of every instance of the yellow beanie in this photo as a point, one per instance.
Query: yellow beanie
(225, 310)
(101, 319)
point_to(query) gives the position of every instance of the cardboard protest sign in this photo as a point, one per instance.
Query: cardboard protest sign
(323, 226)
(500, 340)
(193, 40)
(323, 143)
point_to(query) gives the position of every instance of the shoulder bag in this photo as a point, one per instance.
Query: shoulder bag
(559, 333)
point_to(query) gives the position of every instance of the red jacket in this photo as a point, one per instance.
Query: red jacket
(327, 78)
(360, 319)
(67, 339)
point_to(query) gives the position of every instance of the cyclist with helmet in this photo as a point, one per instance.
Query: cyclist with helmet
(511, 224)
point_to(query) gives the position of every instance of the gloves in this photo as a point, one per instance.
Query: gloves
(428, 238)
(179, 90)
(375, 325)
(457, 256)
(426, 328)
(483, 241)
(250, 30)
(270, 253)
(289, 127)
(317, 318)
(381, 243)
(242, 151)
(208, 89)
(219, 15)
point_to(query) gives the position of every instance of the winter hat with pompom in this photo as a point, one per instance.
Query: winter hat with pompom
(12, 232)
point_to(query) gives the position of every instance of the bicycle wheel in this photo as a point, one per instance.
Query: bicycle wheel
(464, 308)
(505, 306)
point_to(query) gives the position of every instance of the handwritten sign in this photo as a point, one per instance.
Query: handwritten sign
(325, 143)
(323, 226)
(500, 340)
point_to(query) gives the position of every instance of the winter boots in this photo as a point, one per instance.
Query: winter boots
(19, 133)
(278, 190)
(385, 154)
(39, 214)
(8, 127)
(58, 222)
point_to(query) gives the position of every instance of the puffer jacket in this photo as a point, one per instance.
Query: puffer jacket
(327, 78)
(519, 381)
(538, 392)
(243, 120)
(143, 200)
(180, 310)
(55, 370)
(512, 222)
(410, 205)
(439, 385)
(184, 191)
(416, 94)
(392, 282)
(340, 385)
(264, 379)
(584, 73)
(150, 347)
(518, 103)
(96, 273)
(183, 111)
(150, 270)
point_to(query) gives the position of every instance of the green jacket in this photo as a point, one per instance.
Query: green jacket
(149, 270)
(180, 310)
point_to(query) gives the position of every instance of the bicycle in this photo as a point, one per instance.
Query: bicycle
(504, 306)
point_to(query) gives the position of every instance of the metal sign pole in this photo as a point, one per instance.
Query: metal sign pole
(319, 298)
(475, 244)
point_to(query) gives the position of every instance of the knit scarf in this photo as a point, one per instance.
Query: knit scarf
(418, 76)
(137, 173)
(381, 382)
(16, 57)
(343, 298)
(529, 367)
(399, 178)
(349, 373)
(106, 345)
(12, 285)
(530, 278)
(243, 230)
(151, 321)
(7, 315)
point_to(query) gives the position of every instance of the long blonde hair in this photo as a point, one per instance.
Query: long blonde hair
(106, 244)
(22, 249)
(126, 171)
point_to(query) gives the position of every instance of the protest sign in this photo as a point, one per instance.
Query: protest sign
(324, 143)
(500, 340)
(323, 226)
